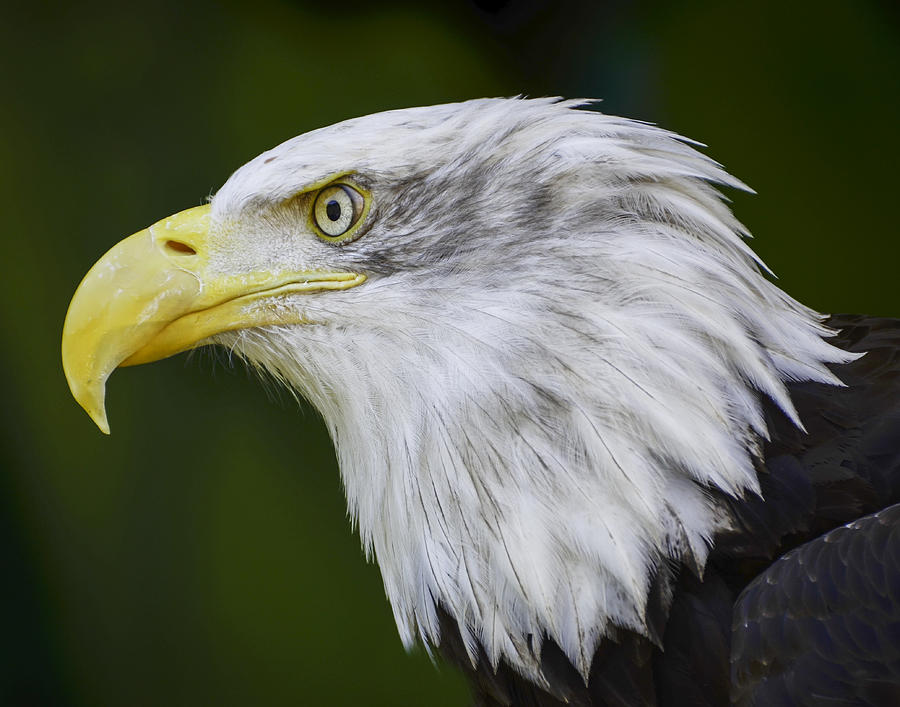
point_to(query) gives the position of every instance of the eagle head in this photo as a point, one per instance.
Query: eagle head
(535, 332)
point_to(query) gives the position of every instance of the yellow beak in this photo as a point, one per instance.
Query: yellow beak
(152, 296)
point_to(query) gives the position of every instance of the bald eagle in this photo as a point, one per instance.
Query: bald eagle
(599, 456)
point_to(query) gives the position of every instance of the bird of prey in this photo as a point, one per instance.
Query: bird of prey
(598, 455)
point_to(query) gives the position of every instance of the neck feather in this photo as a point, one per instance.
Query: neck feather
(530, 462)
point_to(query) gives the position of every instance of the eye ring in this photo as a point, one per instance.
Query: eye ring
(337, 212)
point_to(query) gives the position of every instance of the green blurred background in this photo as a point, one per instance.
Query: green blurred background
(201, 554)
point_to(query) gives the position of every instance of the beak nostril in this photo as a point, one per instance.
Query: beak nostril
(180, 247)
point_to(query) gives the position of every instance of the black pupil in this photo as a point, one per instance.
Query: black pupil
(333, 210)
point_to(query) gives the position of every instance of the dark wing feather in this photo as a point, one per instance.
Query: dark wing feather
(822, 624)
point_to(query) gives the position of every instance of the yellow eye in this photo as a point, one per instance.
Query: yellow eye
(338, 208)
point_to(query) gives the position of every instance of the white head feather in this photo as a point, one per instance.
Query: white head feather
(561, 346)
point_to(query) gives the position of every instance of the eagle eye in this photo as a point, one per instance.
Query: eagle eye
(337, 210)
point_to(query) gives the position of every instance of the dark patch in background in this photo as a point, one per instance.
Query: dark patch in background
(201, 555)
